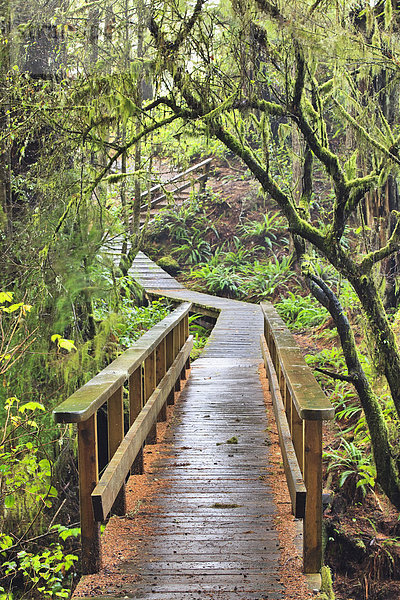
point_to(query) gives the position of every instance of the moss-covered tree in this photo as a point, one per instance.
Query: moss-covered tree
(308, 60)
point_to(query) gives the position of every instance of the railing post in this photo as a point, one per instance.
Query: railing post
(312, 524)
(88, 478)
(115, 420)
(298, 437)
(186, 335)
(149, 387)
(177, 346)
(161, 364)
(135, 406)
(169, 340)
(182, 338)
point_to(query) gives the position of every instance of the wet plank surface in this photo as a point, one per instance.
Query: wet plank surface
(212, 533)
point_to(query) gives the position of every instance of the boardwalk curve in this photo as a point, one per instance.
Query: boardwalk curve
(213, 533)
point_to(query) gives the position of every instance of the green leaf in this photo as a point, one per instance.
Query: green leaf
(53, 492)
(45, 466)
(31, 406)
(9, 501)
(6, 297)
(66, 344)
(13, 307)
(73, 532)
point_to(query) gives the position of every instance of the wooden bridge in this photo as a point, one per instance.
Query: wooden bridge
(213, 534)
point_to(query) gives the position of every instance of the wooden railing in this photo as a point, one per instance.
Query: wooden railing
(151, 371)
(158, 192)
(300, 407)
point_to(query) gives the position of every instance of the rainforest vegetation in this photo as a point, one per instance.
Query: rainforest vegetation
(297, 103)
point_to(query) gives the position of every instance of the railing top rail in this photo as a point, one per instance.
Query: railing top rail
(83, 403)
(308, 397)
(153, 189)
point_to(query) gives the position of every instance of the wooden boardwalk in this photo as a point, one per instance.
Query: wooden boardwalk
(213, 535)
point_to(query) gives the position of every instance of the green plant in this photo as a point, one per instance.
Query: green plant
(263, 279)
(220, 279)
(301, 312)
(132, 321)
(327, 358)
(23, 468)
(26, 491)
(354, 468)
(194, 250)
(265, 230)
(200, 336)
(44, 574)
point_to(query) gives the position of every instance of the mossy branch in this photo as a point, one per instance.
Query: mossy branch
(297, 224)
(393, 245)
(300, 77)
(90, 188)
(389, 152)
(270, 108)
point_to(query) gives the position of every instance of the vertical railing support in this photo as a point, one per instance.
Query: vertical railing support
(161, 369)
(298, 437)
(88, 478)
(169, 340)
(115, 420)
(135, 406)
(312, 524)
(149, 387)
(182, 338)
(186, 337)
(177, 345)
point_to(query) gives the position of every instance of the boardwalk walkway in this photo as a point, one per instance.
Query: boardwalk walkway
(213, 536)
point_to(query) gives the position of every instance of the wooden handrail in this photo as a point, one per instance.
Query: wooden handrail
(203, 163)
(300, 406)
(151, 369)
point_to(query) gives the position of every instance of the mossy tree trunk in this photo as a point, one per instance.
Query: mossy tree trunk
(305, 96)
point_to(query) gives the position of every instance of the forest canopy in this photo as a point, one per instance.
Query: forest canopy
(305, 94)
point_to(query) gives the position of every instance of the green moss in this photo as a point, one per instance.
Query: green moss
(326, 585)
(169, 264)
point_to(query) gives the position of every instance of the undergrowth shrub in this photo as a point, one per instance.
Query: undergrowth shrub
(301, 312)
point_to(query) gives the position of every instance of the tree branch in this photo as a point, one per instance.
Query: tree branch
(338, 376)
(393, 245)
(389, 152)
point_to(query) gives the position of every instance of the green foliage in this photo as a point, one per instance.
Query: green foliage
(263, 279)
(266, 230)
(182, 224)
(326, 592)
(200, 336)
(44, 574)
(219, 279)
(132, 321)
(354, 468)
(193, 249)
(234, 273)
(23, 470)
(27, 492)
(67, 345)
(301, 312)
